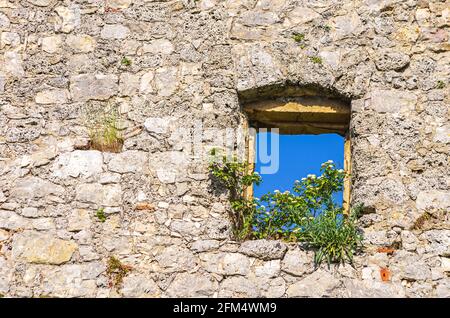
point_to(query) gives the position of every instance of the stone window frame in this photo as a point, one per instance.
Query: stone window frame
(310, 115)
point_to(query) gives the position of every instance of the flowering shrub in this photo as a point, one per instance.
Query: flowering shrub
(308, 214)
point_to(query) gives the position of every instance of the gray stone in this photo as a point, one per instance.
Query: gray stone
(270, 269)
(4, 21)
(118, 4)
(114, 31)
(81, 43)
(129, 161)
(391, 60)
(373, 289)
(433, 200)
(139, 286)
(104, 195)
(78, 163)
(297, 262)
(34, 247)
(318, 284)
(174, 258)
(417, 271)
(34, 188)
(93, 86)
(192, 285)
(9, 220)
(40, 3)
(12, 64)
(166, 80)
(68, 281)
(129, 84)
(226, 263)
(392, 101)
(51, 44)
(160, 46)
(205, 245)
(263, 249)
(300, 15)
(70, 18)
(238, 287)
(52, 96)
(79, 219)
(158, 125)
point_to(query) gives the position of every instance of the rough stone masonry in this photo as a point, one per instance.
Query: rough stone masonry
(194, 60)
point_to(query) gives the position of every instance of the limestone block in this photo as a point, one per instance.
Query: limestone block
(226, 263)
(78, 163)
(263, 249)
(297, 262)
(159, 46)
(105, 195)
(34, 187)
(34, 247)
(114, 31)
(70, 18)
(51, 44)
(52, 96)
(84, 87)
(192, 285)
(82, 43)
(79, 219)
(129, 161)
(166, 80)
(392, 101)
(318, 284)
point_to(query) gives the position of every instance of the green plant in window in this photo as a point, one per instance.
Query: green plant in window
(236, 176)
(306, 214)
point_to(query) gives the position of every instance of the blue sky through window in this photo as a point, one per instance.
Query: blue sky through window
(300, 155)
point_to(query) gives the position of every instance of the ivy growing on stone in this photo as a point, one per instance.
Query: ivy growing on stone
(307, 214)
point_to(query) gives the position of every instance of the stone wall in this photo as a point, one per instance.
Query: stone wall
(191, 61)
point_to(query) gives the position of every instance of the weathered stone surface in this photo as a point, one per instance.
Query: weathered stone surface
(105, 195)
(70, 18)
(433, 200)
(114, 31)
(40, 3)
(79, 163)
(158, 125)
(51, 44)
(81, 43)
(269, 269)
(166, 80)
(297, 262)
(129, 83)
(129, 161)
(417, 271)
(301, 15)
(160, 46)
(175, 258)
(118, 4)
(79, 219)
(72, 280)
(392, 101)
(318, 284)
(34, 188)
(9, 220)
(52, 96)
(264, 249)
(34, 247)
(139, 286)
(12, 64)
(391, 60)
(238, 286)
(192, 285)
(93, 86)
(226, 263)
(373, 289)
